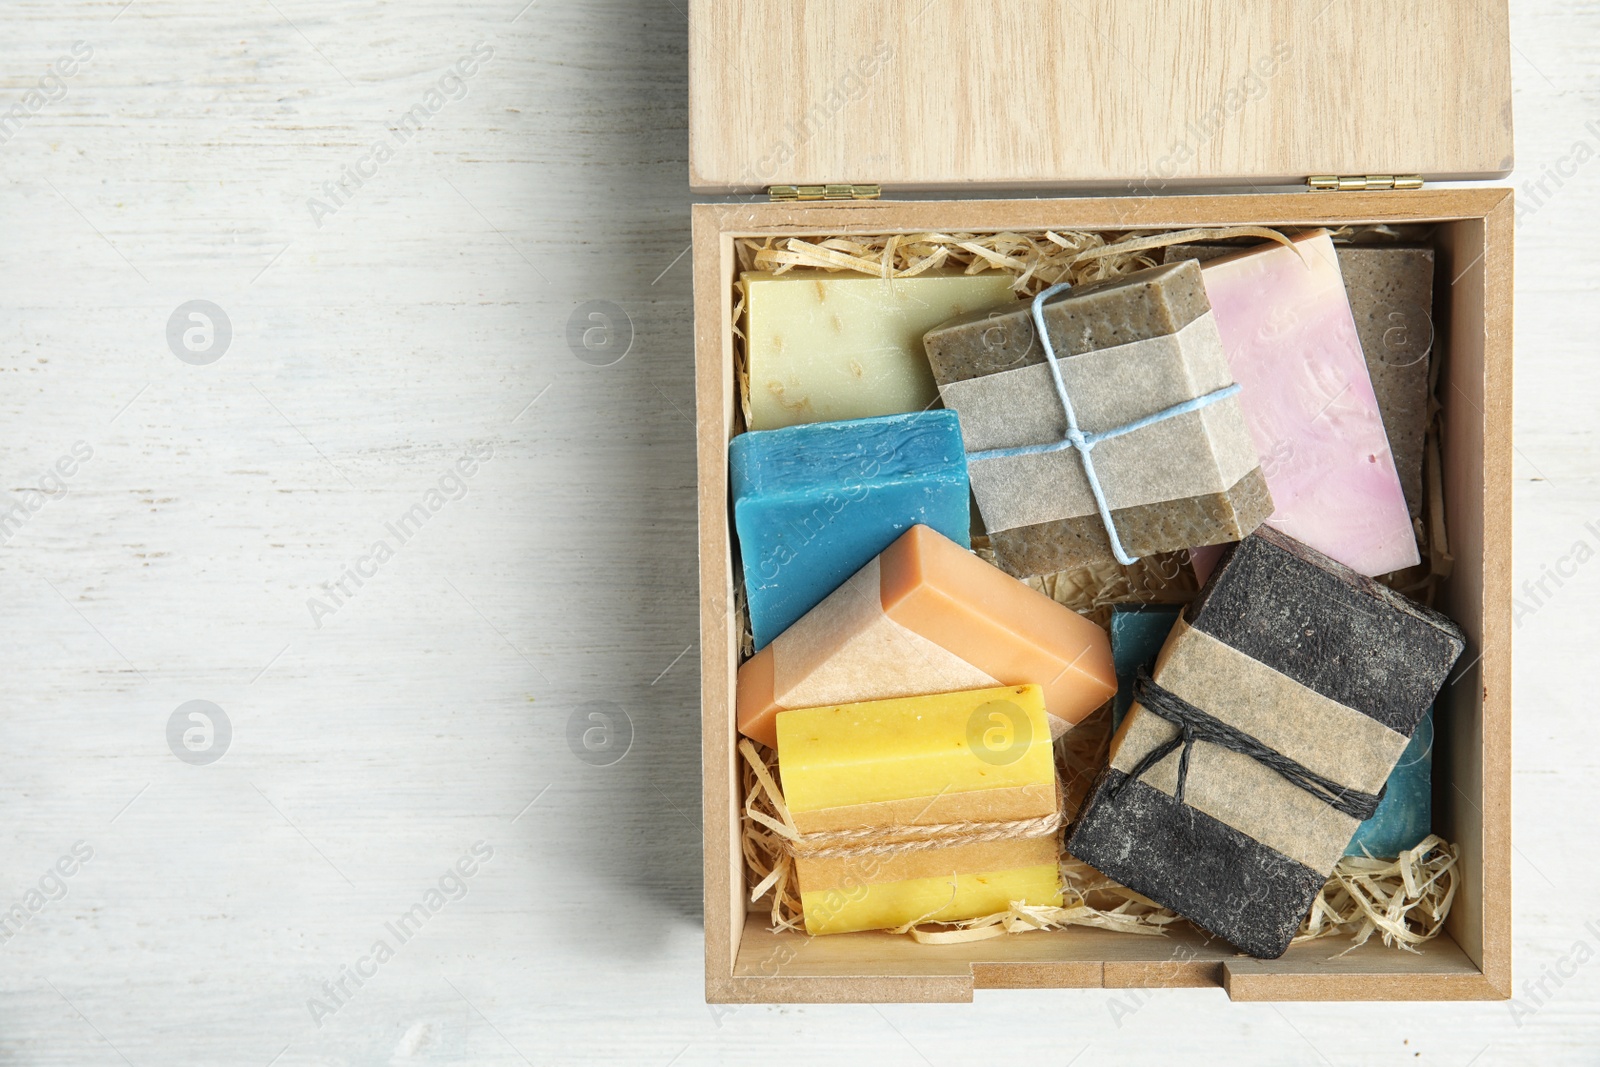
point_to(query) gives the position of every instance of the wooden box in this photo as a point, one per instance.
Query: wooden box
(947, 109)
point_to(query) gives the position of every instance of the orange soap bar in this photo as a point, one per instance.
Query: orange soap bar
(927, 616)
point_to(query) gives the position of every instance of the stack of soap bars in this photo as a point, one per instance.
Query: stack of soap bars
(905, 767)
(1255, 406)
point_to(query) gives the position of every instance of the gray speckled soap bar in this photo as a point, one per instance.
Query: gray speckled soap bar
(1147, 303)
(1391, 296)
(1127, 348)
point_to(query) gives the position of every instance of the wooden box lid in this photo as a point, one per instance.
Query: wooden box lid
(930, 94)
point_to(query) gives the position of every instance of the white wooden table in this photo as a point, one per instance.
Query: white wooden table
(385, 723)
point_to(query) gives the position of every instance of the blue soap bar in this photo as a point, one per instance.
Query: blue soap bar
(1405, 815)
(1137, 634)
(813, 504)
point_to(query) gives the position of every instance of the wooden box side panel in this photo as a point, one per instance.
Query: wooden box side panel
(1473, 766)
(885, 967)
(719, 652)
(1321, 971)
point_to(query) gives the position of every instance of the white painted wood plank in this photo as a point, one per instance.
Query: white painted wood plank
(431, 708)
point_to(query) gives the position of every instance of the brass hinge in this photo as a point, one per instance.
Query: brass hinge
(834, 191)
(1333, 183)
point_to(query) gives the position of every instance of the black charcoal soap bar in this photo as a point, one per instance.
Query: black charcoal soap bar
(1321, 666)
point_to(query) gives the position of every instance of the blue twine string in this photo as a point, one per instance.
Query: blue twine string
(1084, 442)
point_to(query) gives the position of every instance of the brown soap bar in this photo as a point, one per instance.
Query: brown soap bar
(1391, 296)
(1127, 348)
(1147, 303)
(1194, 521)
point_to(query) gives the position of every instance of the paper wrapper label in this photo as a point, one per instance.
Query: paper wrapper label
(1320, 734)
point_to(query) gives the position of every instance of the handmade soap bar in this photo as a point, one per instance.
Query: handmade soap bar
(821, 346)
(1390, 287)
(1137, 634)
(1291, 342)
(1127, 348)
(813, 504)
(1391, 297)
(927, 616)
(1405, 815)
(978, 760)
(1299, 684)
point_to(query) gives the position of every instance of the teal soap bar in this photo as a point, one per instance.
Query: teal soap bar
(1405, 816)
(1137, 633)
(813, 504)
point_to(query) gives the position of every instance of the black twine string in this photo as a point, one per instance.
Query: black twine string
(1195, 725)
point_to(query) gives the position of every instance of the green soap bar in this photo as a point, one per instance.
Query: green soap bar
(824, 345)
(1137, 634)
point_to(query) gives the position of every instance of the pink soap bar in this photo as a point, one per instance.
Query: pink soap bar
(1291, 342)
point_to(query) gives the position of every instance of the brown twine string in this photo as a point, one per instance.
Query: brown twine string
(818, 844)
(1196, 725)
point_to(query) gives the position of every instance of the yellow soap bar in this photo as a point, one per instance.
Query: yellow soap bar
(982, 755)
(945, 897)
(979, 756)
(822, 346)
